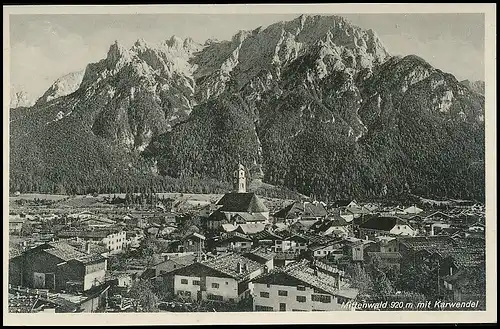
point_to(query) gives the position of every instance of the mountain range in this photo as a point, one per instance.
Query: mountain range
(315, 105)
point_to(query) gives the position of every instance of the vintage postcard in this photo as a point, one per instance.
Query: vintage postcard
(183, 164)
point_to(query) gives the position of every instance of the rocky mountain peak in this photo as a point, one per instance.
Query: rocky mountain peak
(269, 94)
(117, 54)
(63, 86)
(140, 44)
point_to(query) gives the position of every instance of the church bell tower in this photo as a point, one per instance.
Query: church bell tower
(239, 180)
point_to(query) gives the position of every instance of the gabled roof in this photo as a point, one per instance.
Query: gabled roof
(250, 228)
(236, 237)
(358, 210)
(431, 243)
(99, 219)
(224, 266)
(66, 252)
(302, 273)
(217, 216)
(194, 235)
(228, 227)
(87, 234)
(433, 213)
(413, 210)
(94, 247)
(260, 255)
(247, 217)
(341, 203)
(332, 221)
(265, 235)
(242, 202)
(302, 209)
(382, 223)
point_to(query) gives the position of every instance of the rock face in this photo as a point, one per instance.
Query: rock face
(314, 104)
(475, 86)
(61, 87)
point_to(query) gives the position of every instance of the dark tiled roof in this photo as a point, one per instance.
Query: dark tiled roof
(97, 233)
(265, 235)
(382, 223)
(242, 202)
(302, 273)
(247, 217)
(302, 209)
(66, 252)
(334, 221)
(221, 266)
(94, 248)
(260, 255)
(236, 237)
(217, 216)
(430, 244)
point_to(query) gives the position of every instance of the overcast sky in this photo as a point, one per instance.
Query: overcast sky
(45, 47)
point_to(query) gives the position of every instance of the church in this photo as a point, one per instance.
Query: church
(240, 206)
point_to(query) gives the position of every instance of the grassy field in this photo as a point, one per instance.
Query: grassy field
(178, 196)
(33, 196)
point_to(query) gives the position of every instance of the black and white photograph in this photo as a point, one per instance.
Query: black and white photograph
(174, 162)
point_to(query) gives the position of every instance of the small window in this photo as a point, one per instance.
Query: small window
(227, 283)
(184, 281)
(268, 285)
(301, 299)
(282, 293)
(196, 282)
(215, 297)
(301, 288)
(215, 285)
(263, 308)
(321, 298)
(264, 294)
(282, 307)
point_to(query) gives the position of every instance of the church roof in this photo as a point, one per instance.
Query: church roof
(242, 202)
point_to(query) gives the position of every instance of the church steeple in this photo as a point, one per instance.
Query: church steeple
(239, 179)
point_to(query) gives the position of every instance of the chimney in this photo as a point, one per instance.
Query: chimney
(238, 267)
(315, 268)
(87, 247)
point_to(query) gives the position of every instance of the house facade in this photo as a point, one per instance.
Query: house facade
(114, 239)
(385, 225)
(58, 266)
(224, 278)
(301, 287)
(294, 243)
(15, 224)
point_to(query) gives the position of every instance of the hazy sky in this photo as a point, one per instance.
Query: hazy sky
(45, 47)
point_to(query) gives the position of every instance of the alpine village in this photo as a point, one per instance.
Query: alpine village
(241, 252)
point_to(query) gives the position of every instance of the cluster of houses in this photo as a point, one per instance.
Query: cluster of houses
(288, 259)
